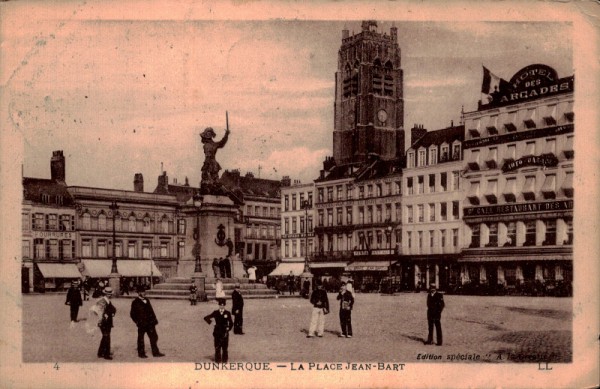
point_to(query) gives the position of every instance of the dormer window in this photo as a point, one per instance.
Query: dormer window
(45, 198)
(411, 159)
(422, 158)
(444, 154)
(432, 155)
(456, 151)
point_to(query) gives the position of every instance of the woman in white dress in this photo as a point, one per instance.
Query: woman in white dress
(219, 292)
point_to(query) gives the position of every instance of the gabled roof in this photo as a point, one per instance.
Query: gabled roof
(249, 185)
(437, 137)
(372, 169)
(34, 188)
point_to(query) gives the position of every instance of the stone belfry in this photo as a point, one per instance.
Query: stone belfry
(369, 98)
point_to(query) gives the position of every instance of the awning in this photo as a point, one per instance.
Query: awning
(368, 266)
(321, 265)
(127, 268)
(284, 268)
(519, 258)
(59, 270)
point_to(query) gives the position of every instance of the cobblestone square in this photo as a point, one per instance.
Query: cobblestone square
(386, 328)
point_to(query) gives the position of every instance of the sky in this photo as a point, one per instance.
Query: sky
(125, 96)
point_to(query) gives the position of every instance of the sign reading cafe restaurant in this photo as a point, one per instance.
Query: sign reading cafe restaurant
(532, 160)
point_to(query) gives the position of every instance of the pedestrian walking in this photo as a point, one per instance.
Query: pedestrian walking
(222, 271)
(237, 308)
(320, 303)
(291, 282)
(106, 311)
(74, 301)
(223, 325)
(435, 305)
(215, 267)
(193, 294)
(252, 274)
(86, 288)
(227, 267)
(219, 292)
(346, 304)
(144, 317)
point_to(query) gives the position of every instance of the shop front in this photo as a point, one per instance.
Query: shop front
(55, 276)
(368, 275)
(330, 274)
(133, 272)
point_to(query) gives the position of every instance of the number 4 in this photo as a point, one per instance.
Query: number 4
(56, 366)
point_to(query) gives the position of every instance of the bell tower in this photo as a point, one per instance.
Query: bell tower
(369, 97)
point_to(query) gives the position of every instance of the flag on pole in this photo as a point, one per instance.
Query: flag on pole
(491, 83)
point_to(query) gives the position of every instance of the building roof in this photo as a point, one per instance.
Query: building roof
(437, 137)
(34, 188)
(250, 186)
(371, 169)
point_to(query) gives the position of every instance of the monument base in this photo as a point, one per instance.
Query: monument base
(114, 280)
(199, 280)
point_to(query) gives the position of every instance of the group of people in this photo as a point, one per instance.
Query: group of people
(222, 267)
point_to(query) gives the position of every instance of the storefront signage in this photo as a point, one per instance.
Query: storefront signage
(563, 205)
(51, 234)
(518, 136)
(294, 236)
(533, 160)
(531, 82)
(360, 253)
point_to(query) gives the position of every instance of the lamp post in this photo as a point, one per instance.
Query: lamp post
(198, 205)
(388, 233)
(114, 208)
(305, 205)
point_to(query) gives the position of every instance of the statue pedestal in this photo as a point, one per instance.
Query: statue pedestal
(199, 280)
(216, 217)
(307, 276)
(114, 280)
(237, 267)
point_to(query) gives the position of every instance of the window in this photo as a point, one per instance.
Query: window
(388, 188)
(87, 221)
(181, 249)
(388, 212)
(86, 248)
(409, 238)
(164, 225)
(493, 235)
(378, 214)
(330, 194)
(379, 239)
(432, 155)
(102, 222)
(286, 225)
(102, 251)
(25, 222)
(410, 159)
(398, 212)
(550, 238)
(455, 210)
(349, 191)
(361, 215)
(132, 222)
(456, 151)
(431, 240)
(529, 149)
(529, 188)
(39, 250)
(420, 233)
(529, 233)
(348, 215)
(38, 221)
(444, 211)
(421, 183)
(491, 159)
(339, 216)
(422, 160)
(320, 193)
(443, 239)
(550, 147)
(511, 153)
(294, 225)
(420, 210)
(26, 247)
(321, 217)
(294, 248)
(432, 183)
(330, 217)
(181, 226)
(549, 187)
(118, 249)
(164, 249)
(475, 235)
(263, 231)
(146, 224)
(266, 211)
(445, 153)
(491, 193)
(339, 194)
(409, 185)
(473, 195)
(567, 185)
(361, 192)
(568, 149)
(378, 190)
(52, 249)
(302, 249)
(398, 187)
(257, 211)
(409, 213)
(431, 212)
(444, 181)
(569, 223)
(66, 249)
(398, 237)
(511, 234)
(473, 163)
(131, 250)
(369, 190)
(369, 214)
(293, 202)
(455, 180)
(455, 237)
(51, 222)
(301, 226)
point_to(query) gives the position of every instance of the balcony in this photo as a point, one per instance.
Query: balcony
(327, 256)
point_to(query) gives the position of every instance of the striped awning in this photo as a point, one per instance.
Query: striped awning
(59, 270)
(322, 265)
(284, 268)
(96, 268)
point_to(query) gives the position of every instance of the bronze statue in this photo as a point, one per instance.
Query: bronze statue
(210, 169)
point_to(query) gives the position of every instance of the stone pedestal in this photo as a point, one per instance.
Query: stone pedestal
(114, 280)
(237, 267)
(199, 280)
(307, 276)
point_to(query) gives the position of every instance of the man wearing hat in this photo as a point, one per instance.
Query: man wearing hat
(223, 325)
(238, 310)
(320, 303)
(106, 312)
(435, 305)
(74, 301)
(143, 316)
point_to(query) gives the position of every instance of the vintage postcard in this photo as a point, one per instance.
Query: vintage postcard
(332, 194)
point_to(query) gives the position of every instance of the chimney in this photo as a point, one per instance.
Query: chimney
(286, 181)
(394, 32)
(187, 182)
(416, 133)
(249, 175)
(57, 166)
(163, 183)
(138, 182)
(345, 33)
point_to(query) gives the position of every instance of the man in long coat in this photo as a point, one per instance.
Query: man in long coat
(238, 310)
(74, 301)
(143, 316)
(435, 305)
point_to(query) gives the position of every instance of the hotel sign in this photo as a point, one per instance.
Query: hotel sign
(504, 209)
(548, 160)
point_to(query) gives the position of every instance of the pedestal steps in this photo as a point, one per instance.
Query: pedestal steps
(178, 289)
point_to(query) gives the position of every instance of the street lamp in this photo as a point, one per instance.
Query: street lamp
(305, 205)
(388, 233)
(198, 204)
(114, 208)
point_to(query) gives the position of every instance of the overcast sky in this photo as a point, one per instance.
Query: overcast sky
(122, 97)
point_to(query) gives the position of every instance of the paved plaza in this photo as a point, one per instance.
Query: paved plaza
(386, 328)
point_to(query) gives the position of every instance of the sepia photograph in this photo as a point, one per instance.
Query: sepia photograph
(222, 198)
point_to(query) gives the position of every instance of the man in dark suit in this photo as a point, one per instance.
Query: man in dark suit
(143, 316)
(320, 303)
(74, 301)
(227, 266)
(435, 305)
(106, 312)
(223, 325)
(238, 310)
